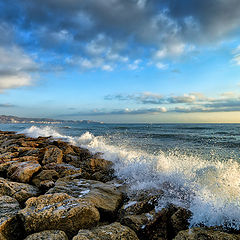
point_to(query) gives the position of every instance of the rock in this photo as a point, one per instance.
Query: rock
(135, 222)
(23, 171)
(202, 234)
(63, 169)
(52, 154)
(58, 211)
(160, 226)
(19, 191)
(105, 197)
(4, 167)
(139, 207)
(45, 175)
(26, 159)
(48, 235)
(114, 231)
(9, 225)
(179, 220)
(65, 147)
(8, 155)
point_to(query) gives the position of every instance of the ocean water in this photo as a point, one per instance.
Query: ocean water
(197, 165)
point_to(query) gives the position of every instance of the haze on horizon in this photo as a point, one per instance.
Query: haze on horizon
(121, 60)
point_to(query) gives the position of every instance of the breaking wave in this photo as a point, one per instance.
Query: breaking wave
(210, 189)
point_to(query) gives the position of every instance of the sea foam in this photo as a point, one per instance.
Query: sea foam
(210, 189)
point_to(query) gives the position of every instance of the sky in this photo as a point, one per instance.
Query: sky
(121, 61)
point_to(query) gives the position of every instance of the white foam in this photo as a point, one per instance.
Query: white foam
(210, 189)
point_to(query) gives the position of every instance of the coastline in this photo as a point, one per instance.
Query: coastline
(52, 189)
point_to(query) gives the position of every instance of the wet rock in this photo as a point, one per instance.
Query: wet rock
(139, 207)
(65, 147)
(58, 211)
(104, 196)
(160, 226)
(23, 171)
(43, 176)
(19, 191)
(179, 220)
(63, 169)
(52, 154)
(136, 222)
(205, 234)
(48, 235)
(9, 225)
(114, 231)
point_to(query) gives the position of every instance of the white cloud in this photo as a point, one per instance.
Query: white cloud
(107, 68)
(15, 66)
(135, 64)
(161, 66)
(19, 80)
(236, 56)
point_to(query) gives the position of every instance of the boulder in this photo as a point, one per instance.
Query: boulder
(63, 169)
(4, 167)
(9, 225)
(160, 226)
(58, 211)
(139, 207)
(136, 222)
(105, 197)
(114, 231)
(48, 235)
(202, 234)
(52, 154)
(19, 191)
(23, 171)
(43, 176)
(179, 220)
(65, 147)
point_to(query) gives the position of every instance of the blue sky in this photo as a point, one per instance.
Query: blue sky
(121, 60)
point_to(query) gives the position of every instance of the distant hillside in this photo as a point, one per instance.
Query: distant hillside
(14, 119)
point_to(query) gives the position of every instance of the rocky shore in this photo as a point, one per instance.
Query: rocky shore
(50, 189)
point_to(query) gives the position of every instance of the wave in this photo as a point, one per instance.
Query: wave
(210, 189)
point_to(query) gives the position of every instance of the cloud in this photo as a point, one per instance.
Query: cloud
(236, 56)
(161, 66)
(15, 68)
(119, 31)
(192, 102)
(153, 98)
(125, 111)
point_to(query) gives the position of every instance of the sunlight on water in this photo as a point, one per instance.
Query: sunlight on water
(210, 189)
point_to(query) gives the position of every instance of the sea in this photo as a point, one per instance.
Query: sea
(196, 165)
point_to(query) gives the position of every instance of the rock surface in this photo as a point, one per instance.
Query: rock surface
(114, 231)
(52, 154)
(48, 235)
(205, 234)
(9, 225)
(19, 191)
(58, 211)
(43, 176)
(104, 196)
(23, 171)
(63, 169)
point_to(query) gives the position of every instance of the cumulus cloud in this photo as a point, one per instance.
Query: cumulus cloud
(15, 67)
(119, 31)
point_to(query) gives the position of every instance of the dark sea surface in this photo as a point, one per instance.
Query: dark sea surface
(199, 162)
